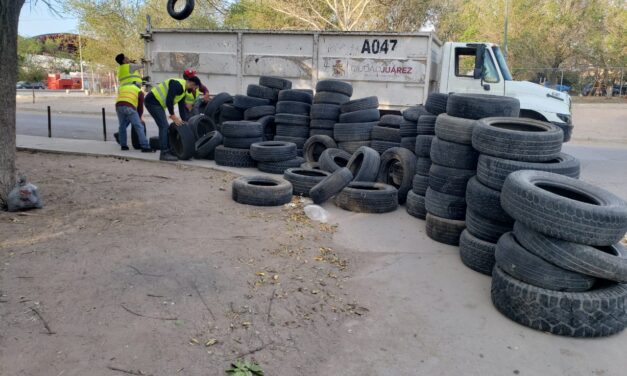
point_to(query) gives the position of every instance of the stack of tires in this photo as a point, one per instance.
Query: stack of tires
(354, 127)
(325, 111)
(292, 117)
(563, 269)
(386, 134)
(275, 157)
(409, 126)
(506, 145)
(424, 134)
(238, 136)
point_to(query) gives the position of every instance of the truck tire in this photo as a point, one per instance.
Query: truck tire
(304, 179)
(450, 154)
(331, 185)
(608, 263)
(364, 164)
(207, 144)
(258, 91)
(444, 230)
(451, 181)
(408, 129)
(330, 98)
(423, 146)
(360, 105)
(316, 145)
(183, 13)
(241, 129)
(486, 228)
(596, 313)
(333, 159)
(281, 166)
(476, 254)
(255, 113)
(289, 130)
(351, 146)
(275, 82)
(382, 146)
(493, 171)
(294, 108)
(233, 157)
(325, 111)
(182, 141)
(335, 86)
(361, 116)
(299, 141)
(292, 119)
(368, 197)
(272, 151)
(391, 121)
(436, 103)
(479, 106)
(420, 184)
(322, 124)
(345, 132)
(519, 139)
(415, 205)
(445, 206)
(294, 95)
(380, 133)
(565, 208)
(261, 191)
(485, 201)
(454, 129)
(413, 113)
(407, 161)
(408, 143)
(244, 102)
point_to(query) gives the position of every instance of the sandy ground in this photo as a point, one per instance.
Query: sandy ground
(152, 268)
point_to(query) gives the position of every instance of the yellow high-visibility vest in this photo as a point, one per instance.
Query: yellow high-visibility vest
(161, 91)
(125, 76)
(190, 98)
(128, 93)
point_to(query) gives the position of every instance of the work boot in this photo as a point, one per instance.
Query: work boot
(124, 148)
(168, 157)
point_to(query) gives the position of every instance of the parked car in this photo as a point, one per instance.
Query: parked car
(30, 85)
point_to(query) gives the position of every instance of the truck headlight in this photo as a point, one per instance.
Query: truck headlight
(565, 118)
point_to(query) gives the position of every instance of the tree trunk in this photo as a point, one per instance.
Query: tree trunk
(9, 17)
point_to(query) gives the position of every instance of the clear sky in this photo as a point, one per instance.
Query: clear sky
(38, 19)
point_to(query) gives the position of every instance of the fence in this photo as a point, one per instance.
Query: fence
(584, 81)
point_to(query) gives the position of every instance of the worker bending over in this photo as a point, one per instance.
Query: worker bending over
(192, 95)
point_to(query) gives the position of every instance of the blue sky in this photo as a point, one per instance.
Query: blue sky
(38, 19)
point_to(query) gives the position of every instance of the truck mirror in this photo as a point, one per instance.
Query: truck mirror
(478, 72)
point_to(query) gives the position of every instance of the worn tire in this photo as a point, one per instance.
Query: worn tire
(361, 104)
(214, 107)
(493, 171)
(486, 201)
(331, 185)
(330, 98)
(368, 197)
(423, 166)
(289, 130)
(364, 164)
(228, 112)
(486, 228)
(291, 119)
(408, 143)
(281, 166)
(361, 116)
(423, 146)
(325, 111)
(414, 113)
(415, 205)
(299, 141)
(294, 108)
(479, 106)
(380, 133)
(182, 141)
(201, 125)
(476, 254)
(436, 103)
(244, 102)
(408, 129)
(420, 183)
(391, 121)
(351, 146)
(183, 13)
(322, 124)
(304, 179)
(261, 191)
(320, 132)
(333, 159)
(275, 82)
(347, 132)
(444, 230)
(295, 95)
(451, 181)
(596, 313)
(233, 157)
(445, 206)
(454, 129)
(272, 151)
(407, 160)
(335, 86)
(258, 91)
(382, 146)
(450, 154)
(255, 113)
(241, 129)
(316, 145)
(240, 142)
(207, 144)
(565, 208)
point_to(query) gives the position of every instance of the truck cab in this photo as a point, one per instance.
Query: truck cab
(481, 68)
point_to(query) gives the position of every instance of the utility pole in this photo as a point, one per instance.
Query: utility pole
(505, 52)
(80, 56)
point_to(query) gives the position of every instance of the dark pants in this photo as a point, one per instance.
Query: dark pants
(185, 114)
(158, 113)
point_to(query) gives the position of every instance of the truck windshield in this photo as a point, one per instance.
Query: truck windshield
(502, 64)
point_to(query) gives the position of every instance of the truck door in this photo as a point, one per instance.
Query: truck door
(474, 70)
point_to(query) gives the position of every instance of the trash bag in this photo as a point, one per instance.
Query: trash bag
(24, 196)
(316, 213)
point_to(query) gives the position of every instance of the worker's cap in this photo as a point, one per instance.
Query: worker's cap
(120, 59)
(189, 73)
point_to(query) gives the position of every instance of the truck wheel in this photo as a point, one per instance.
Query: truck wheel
(479, 106)
(423, 146)
(272, 151)
(476, 254)
(255, 113)
(233, 157)
(258, 91)
(294, 95)
(207, 144)
(261, 191)
(331, 97)
(451, 181)
(316, 145)
(182, 141)
(484, 200)
(415, 205)
(445, 206)
(275, 82)
(335, 86)
(454, 155)
(280, 166)
(331, 185)
(486, 228)
(368, 197)
(183, 13)
(244, 102)
(304, 179)
(453, 129)
(436, 103)
(333, 159)
(292, 107)
(360, 104)
(414, 113)
(344, 132)
(444, 230)
(364, 164)
(407, 161)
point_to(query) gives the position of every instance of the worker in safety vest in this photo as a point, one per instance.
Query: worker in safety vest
(129, 106)
(128, 71)
(164, 96)
(192, 96)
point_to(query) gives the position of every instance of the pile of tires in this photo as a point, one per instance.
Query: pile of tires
(275, 157)
(562, 270)
(354, 126)
(386, 134)
(409, 126)
(325, 111)
(238, 136)
(292, 117)
(505, 145)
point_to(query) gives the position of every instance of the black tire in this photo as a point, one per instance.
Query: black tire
(281, 166)
(409, 143)
(324, 111)
(201, 125)
(436, 103)
(292, 119)
(423, 166)
(493, 171)
(425, 131)
(364, 164)
(415, 205)
(427, 121)
(244, 102)
(261, 191)
(454, 129)
(391, 121)
(331, 185)
(565, 208)
(207, 144)
(294, 95)
(303, 179)
(154, 143)
(322, 124)
(295, 108)
(368, 197)
(408, 129)
(486, 201)
(346, 132)
(258, 91)
(335, 86)
(420, 184)
(523, 265)
(289, 130)
(255, 113)
(360, 104)
(330, 98)
(316, 145)
(321, 132)
(233, 157)
(241, 129)
(444, 230)
(486, 228)
(333, 159)
(272, 151)
(228, 112)
(450, 154)
(268, 126)
(135, 137)
(519, 139)
(413, 113)
(214, 107)
(386, 134)
(361, 116)
(382, 146)
(183, 13)
(352, 146)
(240, 142)
(477, 254)
(479, 106)
(182, 141)
(299, 141)
(423, 146)
(451, 181)
(596, 313)
(602, 262)
(407, 161)
(275, 82)
(445, 206)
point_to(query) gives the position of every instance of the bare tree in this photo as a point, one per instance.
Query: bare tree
(343, 15)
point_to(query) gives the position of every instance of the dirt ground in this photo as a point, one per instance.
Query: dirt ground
(152, 269)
